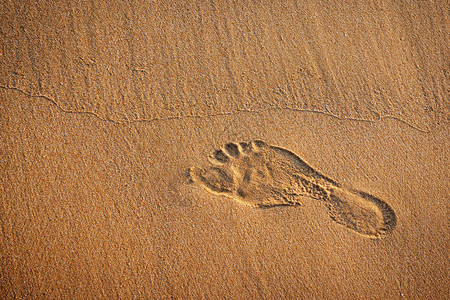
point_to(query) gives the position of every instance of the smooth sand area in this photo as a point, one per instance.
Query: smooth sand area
(104, 109)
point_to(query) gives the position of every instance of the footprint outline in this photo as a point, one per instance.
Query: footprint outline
(260, 175)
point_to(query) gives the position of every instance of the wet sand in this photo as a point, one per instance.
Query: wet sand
(104, 107)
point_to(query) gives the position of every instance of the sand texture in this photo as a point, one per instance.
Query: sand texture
(224, 149)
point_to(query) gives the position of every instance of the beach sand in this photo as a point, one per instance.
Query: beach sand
(106, 108)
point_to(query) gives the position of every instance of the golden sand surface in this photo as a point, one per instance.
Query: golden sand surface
(224, 149)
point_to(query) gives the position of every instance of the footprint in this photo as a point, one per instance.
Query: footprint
(260, 175)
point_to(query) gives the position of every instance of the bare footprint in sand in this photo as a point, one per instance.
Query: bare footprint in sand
(260, 175)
